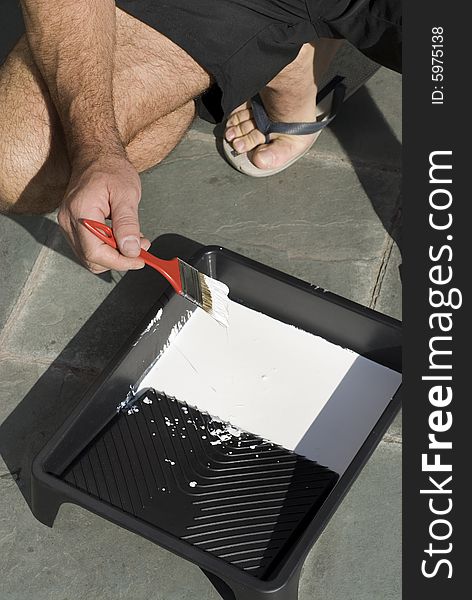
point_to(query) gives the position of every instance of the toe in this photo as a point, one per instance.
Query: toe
(239, 116)
(248, 141)
(264, 157)
(276, 154)
(240, 130)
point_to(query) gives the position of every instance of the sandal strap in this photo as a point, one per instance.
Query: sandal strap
(266, 126)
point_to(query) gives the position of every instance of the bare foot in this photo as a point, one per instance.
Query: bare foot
(243, 135)
(290, 97)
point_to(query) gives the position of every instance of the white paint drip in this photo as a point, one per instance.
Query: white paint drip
(152, 326)
(222, 432)
(124, 403)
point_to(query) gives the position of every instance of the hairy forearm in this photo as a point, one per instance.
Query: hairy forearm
(73, 44)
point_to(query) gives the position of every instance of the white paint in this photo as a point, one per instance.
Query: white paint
(272, 379)
(153, 323)
(152, 326)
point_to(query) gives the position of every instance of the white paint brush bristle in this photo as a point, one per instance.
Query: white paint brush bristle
(215, 298)
(206, 292)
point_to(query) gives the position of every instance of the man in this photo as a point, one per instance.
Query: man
(94, 94)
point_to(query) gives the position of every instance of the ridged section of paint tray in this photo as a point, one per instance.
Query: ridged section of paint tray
(224, 491)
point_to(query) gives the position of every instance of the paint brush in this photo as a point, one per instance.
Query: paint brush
(206, 292)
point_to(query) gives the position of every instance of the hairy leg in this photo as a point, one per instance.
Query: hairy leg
(156, 141)
(289, 97)
(153, 108)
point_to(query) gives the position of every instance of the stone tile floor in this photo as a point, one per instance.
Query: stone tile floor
(333, 219)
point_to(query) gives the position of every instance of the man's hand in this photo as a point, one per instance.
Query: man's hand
(107, 188)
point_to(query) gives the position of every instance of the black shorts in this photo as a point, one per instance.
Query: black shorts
(243, 44)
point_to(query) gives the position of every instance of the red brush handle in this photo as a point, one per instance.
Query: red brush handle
(168, 268)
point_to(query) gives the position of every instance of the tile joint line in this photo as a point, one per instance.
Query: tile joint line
(28, 288)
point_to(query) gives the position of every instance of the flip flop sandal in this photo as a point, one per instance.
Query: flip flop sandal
(328, 102)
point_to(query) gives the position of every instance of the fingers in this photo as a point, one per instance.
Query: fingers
(105, 255)
(125, 225)
(107, 188)
(97, 256)
(110, 257)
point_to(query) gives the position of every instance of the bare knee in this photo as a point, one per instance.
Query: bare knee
(33, 199)
(29, 182)
(153, 77)
(33, 163)
(32, 180)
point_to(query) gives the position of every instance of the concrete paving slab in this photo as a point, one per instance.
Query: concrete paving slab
(385, 88)
(368, 128)
(33, 404)
(21, 240)
(389, 300)
(314, 221)
(394, 432)
(62, 297)
(72, 313)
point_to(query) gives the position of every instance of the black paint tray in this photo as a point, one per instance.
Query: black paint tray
(247, 511)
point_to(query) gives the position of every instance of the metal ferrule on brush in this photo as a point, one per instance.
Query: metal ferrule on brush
(206, 292)
(191, 286)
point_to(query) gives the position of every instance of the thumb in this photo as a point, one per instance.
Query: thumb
(126, 228)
